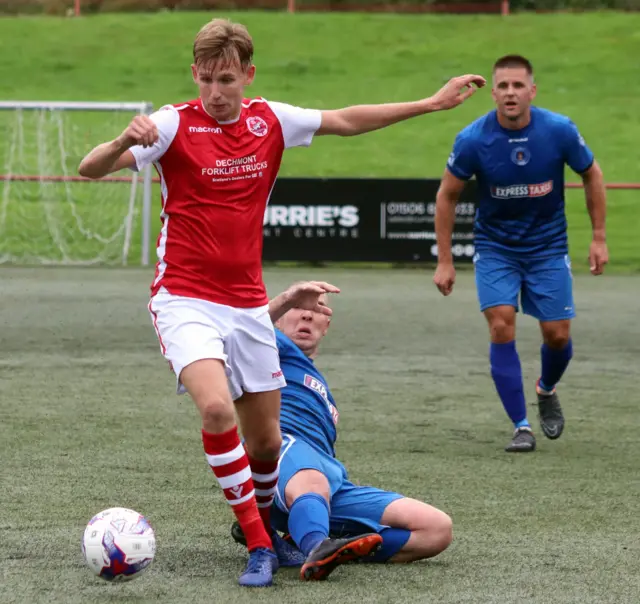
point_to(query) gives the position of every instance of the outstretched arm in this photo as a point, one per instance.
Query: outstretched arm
(305, 295)
(360, 119)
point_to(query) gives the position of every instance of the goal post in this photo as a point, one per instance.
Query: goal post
(51, 215)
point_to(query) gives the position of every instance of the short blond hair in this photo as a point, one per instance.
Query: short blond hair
(223, 41)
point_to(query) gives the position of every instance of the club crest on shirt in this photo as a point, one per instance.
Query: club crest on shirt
(520, 156)
(257, 125)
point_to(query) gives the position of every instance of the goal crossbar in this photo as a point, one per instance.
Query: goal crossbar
(141, 107)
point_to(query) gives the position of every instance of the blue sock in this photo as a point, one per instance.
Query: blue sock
(309, 521)
(393, 540)
(507, 376)
(554, 363)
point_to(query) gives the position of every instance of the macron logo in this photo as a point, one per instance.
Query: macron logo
(199, 129)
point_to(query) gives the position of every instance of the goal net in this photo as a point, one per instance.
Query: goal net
(51, 215)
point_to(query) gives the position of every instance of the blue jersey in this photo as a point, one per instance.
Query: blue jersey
(308, 409)
(520, 176)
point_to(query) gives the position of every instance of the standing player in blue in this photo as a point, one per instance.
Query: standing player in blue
(331, 520)
(517, 154)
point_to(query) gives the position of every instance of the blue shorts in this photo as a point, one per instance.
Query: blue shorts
(544, 285)
(353, 509)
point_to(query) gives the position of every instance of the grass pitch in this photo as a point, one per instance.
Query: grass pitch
(90, 420)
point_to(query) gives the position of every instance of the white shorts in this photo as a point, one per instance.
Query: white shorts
(190, 329)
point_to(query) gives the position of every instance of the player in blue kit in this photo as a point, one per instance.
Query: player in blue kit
(330, 519)
(517, 154)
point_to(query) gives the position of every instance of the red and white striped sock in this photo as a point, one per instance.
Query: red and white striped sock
(228, 460)
(265, 480)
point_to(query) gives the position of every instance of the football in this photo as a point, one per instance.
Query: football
(118, 544)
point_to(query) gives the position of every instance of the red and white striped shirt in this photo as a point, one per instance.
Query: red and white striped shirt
(216, 179)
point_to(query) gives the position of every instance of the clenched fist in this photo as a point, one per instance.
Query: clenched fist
(141, 131)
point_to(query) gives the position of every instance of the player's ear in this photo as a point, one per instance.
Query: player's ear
(194, 73)
(250, 75)
(534, 91)
(326, 329)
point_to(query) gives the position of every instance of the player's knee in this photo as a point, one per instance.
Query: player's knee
(434, 538)
(443, 532)
(217, 414)
(502, 331)
(265, 446)
(305, 482)
(502, 324)
(557, 337)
